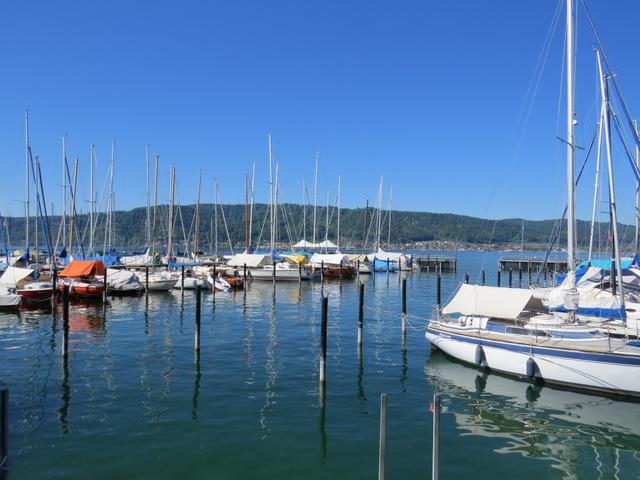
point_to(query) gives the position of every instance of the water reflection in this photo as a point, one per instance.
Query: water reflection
(558, 426)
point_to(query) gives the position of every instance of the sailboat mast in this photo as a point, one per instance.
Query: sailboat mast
(379, 219)
(570, 139)
(326, 226)
(146, 148)
(338, 230)
(155, 207)
(389, 215)
(253, 184)
(596, 186)
(364, 227)
(91, 195)
(196, 240)
(271, 194)
(172, 181)
(635, 126)
(27, 209)
(315, 197)
(64, 193)
(246, 211)
(215, 216)
(304, 211)
(615, 260)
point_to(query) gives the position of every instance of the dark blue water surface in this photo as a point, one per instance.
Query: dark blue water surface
(133, 400)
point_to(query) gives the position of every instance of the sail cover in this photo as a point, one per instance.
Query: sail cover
(329, 259)
(251, 260)
(14, 275)
(495, 302)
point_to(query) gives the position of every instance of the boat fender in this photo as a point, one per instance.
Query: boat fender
(481, 360)
(531, 367)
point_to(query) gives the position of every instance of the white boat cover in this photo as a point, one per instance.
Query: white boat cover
(118, 278)
(328, 259)
(305, 244)
(144, 259)
(252, 260)
(328, 244)
(14, 275)
(495, 302)
(391, 256)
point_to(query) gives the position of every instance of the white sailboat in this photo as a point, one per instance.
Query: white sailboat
(501, 329)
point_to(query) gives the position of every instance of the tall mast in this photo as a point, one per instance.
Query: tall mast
(615, 260)
(326, 226)
(146, 148)
(155, 207)
(91, 196)
(196, 241)
(379, 219)
(304, 212)
(570, 139)
(271, 194)
(27, 192)
(215, 216)
(635, 126)
(571, 300)
(596, 186)
(338, 232)
(315, 197)
(364, 228)
(64, 192)
(246, 211)
(172, 181)
(275, 203)
(253, 184)
(389, 215)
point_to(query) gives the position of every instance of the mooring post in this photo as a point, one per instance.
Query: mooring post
(4, 426)
(299, 272)
(146, 279)
(498, 278)
(198, 300)
(483, 278)
(438, 291)
(435, 467)
(54, 283)
(104, 279)
(519, 275)
(213, 287)
(383, 435)
(322, 270)
(466, 278)
(65, 320)
(510, 277)
(323, 339)
(404, 307)
(360, 315)
(387, 264)
(244, 271)
(274, 273)
(358, 266)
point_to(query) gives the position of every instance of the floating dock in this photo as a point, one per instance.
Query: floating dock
(532, 264)
(438, 263)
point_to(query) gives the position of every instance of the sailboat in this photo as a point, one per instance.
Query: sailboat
(503, 330)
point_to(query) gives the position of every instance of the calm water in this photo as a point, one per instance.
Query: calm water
(133, 401)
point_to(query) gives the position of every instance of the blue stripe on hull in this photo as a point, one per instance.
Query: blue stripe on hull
(550, 352)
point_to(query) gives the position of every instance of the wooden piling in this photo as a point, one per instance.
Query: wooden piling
(299, 272)
(104, 279)
(520, 275)
(438, 291)
(146, 279)
(498, 278)
(323, 339)
(435, 467)
(54, 283)
(244, 271)
(65, 320)
(360, 315)
(322, 270)
(198, 310)
(404, 307)
(466, 278)
(510, 278)
(274, 273)
(383, 435)
(483, 278)
(4, 427)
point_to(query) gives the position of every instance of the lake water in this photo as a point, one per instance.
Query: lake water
(133, 401)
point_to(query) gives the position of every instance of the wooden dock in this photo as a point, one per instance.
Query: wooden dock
(532, 264)
(437, 263)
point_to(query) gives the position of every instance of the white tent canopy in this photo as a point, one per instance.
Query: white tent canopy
(328, 259)
(252, 260)
(305, 244)
(327, 244)
(496, 302)
(14, 275)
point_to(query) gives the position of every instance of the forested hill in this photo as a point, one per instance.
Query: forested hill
(406, 227)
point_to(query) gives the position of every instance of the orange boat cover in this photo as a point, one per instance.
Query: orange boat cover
(83, 268)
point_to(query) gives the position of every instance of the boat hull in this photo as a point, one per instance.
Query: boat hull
(585, 370)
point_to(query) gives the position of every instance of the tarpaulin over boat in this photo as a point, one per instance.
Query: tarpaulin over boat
(82, 268)
(295, 259)
(328, 259)
(252, 260)
(14, 275)
(495, 302)
(119, 278)
(305, 244)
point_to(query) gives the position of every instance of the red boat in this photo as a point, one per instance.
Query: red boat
(36, 292)
(84, 278)
(344, 271)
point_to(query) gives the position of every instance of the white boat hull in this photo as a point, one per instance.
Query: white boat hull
(595, 371)
(283, 275)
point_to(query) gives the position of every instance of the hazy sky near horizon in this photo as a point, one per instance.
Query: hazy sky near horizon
(431, 95)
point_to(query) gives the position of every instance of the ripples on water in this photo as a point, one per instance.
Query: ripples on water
(134, 401)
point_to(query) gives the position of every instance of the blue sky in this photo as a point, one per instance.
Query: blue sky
(429, 94)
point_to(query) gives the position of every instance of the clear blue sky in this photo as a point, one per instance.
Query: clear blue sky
(427, 93)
